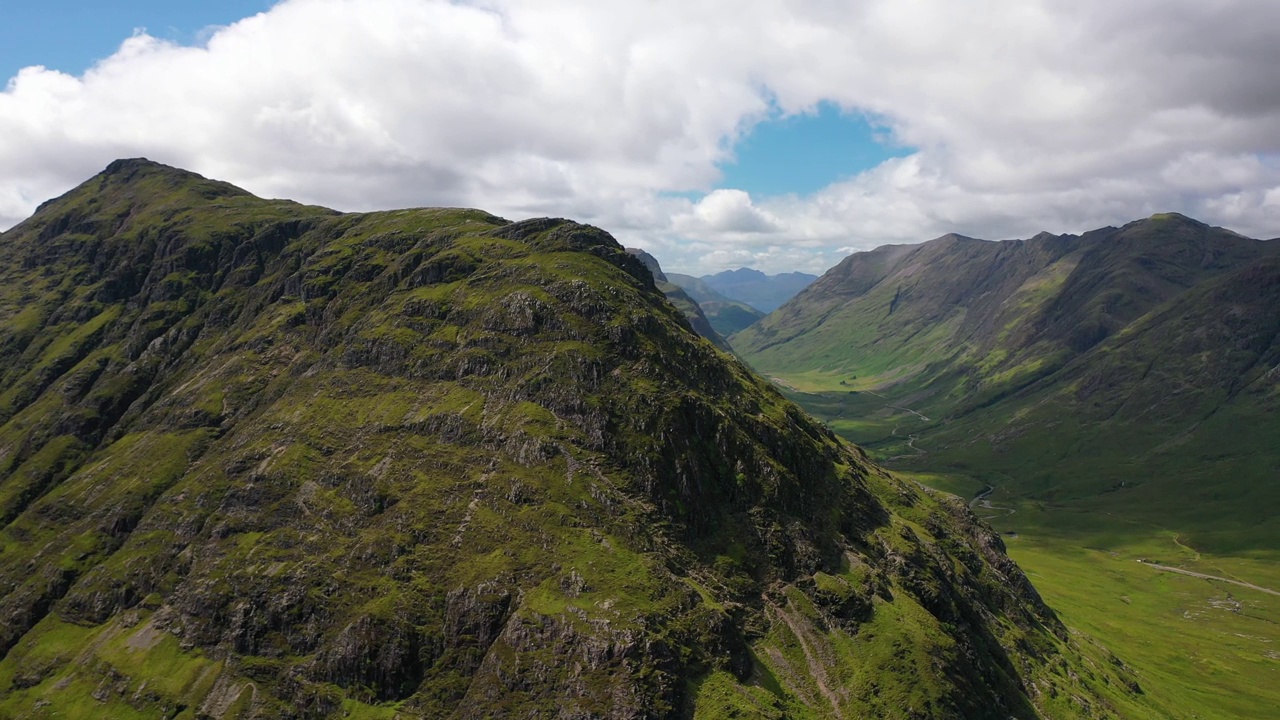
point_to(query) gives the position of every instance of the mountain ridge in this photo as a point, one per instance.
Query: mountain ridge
(692, 308)
(1112, 275)
(1106, 398)
(724, 313)
(1013, 349)
(265, 459)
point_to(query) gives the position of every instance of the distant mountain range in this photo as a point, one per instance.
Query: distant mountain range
(691, 308)
(765, 293)
(731, 300)
(722, 304)
(1142, 360)
(725, 314)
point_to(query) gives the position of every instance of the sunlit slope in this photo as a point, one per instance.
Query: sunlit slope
(1134, 367)
(961, 322)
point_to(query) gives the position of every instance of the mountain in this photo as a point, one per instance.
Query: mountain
(726, 315)
(689, 306)
(762, 292)
(1174, 418)
(1109, 400)
(1078, 365)
(260, 459)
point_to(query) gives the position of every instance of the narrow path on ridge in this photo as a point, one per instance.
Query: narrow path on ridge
(1184, 547)
(817, 669)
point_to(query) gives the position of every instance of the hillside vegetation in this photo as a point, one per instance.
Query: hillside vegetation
(1107, 398)
(1141, 360)
(259, 459)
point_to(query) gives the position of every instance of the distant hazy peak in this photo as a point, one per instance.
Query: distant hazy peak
(739, 274)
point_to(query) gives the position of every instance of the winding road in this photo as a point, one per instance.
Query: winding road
(1202, 576)
(918, 414)
(980, 502)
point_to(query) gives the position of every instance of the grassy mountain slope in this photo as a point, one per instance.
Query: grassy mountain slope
(266, 460)
(1176, 416)
(725, 314)
(964, 321)
(1076, 363)
(1113, 395)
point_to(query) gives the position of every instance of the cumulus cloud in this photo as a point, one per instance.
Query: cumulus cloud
(1024, 116)
(726, 212)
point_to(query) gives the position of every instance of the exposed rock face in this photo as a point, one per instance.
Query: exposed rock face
(267, 460)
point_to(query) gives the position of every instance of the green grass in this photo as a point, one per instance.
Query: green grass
(1084, 512)
(531, 488)
(719, 696)
(135, 671)
(1201, 648)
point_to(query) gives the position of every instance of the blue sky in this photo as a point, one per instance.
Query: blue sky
(69, 35)
(804, 153)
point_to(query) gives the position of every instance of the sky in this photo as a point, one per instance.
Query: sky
(780, 135)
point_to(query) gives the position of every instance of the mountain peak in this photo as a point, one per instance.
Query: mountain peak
(763, 292)
(127, 171)
(139, 182)
(1173, 217)
(1167, 220)
(129, 165)
(650, 262)
(539, 488)
(957, 237)
(132, 170)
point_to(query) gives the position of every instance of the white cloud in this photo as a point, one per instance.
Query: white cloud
(1029, 115)
(729, 212)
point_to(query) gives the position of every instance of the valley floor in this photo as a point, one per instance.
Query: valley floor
(1201, 629)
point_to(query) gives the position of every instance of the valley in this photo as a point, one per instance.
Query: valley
(1114, 421)
(1205, 636)
(640, 360)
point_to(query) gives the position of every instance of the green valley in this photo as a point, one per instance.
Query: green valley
(1104, 399)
